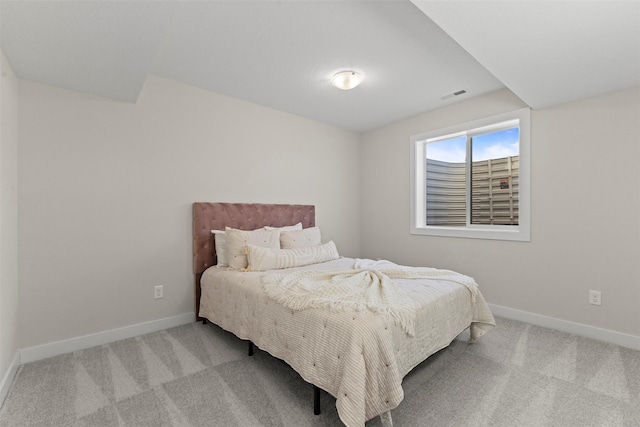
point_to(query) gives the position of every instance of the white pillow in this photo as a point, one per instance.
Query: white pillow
(294, 227)
(261, 259)
(221, 247)
(237, 240)
(300, 239)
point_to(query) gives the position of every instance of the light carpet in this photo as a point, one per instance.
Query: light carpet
(200, 375)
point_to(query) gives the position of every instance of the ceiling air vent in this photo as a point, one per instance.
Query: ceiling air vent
(452, 94)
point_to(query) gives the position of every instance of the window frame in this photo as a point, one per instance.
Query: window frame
(520, 232)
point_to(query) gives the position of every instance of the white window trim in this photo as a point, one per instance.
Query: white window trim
(521, 232)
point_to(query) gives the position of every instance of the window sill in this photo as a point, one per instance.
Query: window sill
(476, 232)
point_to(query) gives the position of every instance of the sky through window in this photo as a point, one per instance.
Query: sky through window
(493, 145)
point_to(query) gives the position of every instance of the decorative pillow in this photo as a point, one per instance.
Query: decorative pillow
(294, 227)
(236, 240)
(261, 259)
(221, 247)
(300, 239)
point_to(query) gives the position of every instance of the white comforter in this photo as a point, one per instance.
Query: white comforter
(356, 355)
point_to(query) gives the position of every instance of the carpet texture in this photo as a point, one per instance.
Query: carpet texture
(199, 375)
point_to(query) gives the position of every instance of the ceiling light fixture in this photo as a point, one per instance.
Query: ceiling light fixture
(346, 80)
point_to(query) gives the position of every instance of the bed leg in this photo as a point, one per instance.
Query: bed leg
(205, 321)
(250, 348)
(316, 400)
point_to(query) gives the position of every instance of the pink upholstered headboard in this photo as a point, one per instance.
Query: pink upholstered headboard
(244, 216)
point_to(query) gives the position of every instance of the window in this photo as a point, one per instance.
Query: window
(472, 180)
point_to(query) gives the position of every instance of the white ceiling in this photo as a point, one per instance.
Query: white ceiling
(282, 53)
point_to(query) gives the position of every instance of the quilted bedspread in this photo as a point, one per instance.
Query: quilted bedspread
(356, 355)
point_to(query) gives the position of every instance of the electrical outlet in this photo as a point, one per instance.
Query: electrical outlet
(595, 297)
(158, 291)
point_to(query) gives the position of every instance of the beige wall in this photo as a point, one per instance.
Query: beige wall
(585, 229)
(8, 215)
(106, 191)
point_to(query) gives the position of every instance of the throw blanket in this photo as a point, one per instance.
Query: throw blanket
(360, 289)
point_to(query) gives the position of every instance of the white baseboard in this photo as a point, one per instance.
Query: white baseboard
(606, 335)
(8, 377)
(44, 351)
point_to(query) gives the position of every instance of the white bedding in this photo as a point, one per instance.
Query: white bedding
(357, 356)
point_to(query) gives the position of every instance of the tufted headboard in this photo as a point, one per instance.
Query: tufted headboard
(244, 216)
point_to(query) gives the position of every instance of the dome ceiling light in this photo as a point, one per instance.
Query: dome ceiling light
(346, 80)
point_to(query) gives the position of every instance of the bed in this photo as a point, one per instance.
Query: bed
(357, 355)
